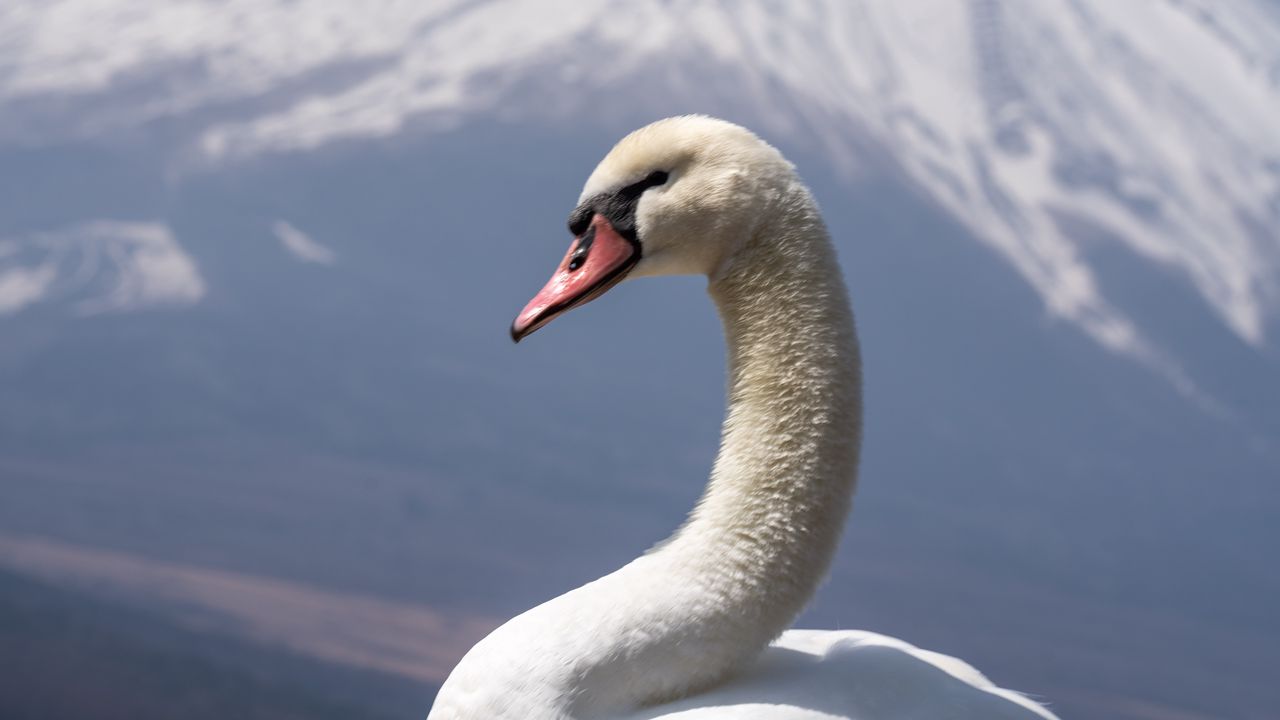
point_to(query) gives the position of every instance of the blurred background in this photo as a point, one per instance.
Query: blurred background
(266, 450)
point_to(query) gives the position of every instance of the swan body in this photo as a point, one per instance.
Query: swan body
(694, 628)
(825, 674)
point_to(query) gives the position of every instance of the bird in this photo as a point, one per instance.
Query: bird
(696, 628)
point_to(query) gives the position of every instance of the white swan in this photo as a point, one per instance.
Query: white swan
(678, 633)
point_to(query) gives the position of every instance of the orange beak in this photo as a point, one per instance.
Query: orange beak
(597, 260)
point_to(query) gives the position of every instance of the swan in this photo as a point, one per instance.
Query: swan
(693, 629)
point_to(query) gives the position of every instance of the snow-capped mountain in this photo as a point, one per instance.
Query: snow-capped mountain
(1047, 128)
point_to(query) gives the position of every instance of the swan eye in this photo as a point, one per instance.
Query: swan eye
(618, 206)
(636, 189)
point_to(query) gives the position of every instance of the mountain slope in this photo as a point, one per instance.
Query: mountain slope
(1046, 129)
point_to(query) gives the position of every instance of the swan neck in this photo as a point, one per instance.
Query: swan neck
(788, 456)
(762, 536)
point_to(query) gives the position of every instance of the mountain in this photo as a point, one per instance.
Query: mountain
(1033, 126)
(257, 261)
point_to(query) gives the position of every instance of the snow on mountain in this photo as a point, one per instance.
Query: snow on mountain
(301, 245)
(102, 266)
(1044, 127)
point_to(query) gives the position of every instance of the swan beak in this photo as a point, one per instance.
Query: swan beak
(597, 260)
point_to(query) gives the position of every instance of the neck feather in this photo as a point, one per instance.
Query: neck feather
(763, 534)
(769, 522)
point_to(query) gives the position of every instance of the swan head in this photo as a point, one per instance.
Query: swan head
(676, 197)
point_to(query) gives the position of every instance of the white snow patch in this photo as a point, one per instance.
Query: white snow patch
(302, 245)
(99, 267)
(21, 286)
